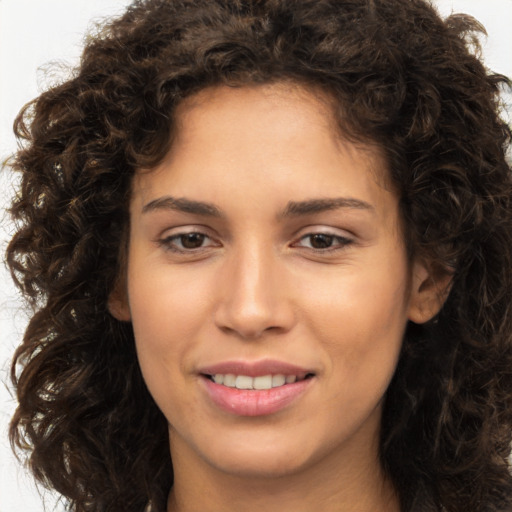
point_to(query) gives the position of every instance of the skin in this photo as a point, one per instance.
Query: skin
(257, 286)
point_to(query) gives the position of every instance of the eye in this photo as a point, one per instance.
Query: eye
(323, 241)
(187, 242)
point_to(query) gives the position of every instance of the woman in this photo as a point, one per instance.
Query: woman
(268, 248)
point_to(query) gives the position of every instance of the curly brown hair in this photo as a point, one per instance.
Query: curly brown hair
(403, 79)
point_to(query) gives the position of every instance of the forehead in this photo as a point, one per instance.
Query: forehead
(283, 134)
(266, 108)
(260, 102)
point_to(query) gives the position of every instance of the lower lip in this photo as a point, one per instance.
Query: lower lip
(243, 402)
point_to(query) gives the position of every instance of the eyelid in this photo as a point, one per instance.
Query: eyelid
(344, 239)
(166, 238)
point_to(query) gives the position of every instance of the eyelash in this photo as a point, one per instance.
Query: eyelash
(342, 242)
(169, 242)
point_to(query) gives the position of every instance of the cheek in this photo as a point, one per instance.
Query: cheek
(168, 312)
(361, 323)
(166, 305)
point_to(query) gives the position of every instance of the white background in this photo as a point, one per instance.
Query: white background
(36, 32)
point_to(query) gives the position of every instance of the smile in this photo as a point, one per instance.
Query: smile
(255, 383)
(255, 388)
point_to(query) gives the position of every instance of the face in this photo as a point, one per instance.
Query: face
(266, 252)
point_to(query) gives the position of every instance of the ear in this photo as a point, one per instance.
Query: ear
(118, 305)
(429, 289)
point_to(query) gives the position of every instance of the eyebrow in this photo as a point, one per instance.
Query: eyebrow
(312, 206)
(292, 209)
(182, 204)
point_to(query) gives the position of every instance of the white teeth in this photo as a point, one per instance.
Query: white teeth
(261, 383)
(278, 380)
(264, 382)
(244, 382)
(230, 380)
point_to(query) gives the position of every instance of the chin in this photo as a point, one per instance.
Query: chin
(260, 458)
(259, 466)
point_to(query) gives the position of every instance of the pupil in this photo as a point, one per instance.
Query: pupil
(321, 241)
(192, 240)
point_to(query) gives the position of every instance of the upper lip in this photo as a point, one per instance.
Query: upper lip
(255, 368)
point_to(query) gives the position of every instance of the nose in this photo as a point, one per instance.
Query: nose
(254, 298)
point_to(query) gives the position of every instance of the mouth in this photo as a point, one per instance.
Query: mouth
(255, 388)
(258, 383)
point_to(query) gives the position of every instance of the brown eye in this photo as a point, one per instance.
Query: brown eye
(187, 242)
(192, 240)
(321, 241)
